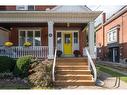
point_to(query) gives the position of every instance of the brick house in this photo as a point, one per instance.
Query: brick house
(52, 28)
(111, 37)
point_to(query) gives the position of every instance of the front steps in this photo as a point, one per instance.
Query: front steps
(73, 72)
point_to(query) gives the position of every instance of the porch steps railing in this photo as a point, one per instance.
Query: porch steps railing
(54, 65)
(19, 51)
(91, 65)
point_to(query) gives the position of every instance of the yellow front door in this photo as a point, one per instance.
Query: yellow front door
(67, 43)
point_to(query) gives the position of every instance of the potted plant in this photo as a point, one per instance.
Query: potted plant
(8, 44)
(59, 53)
(27, 44)
(76, 53)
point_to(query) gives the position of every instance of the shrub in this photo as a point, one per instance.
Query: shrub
(59, 53)
(7, 64)
(22, 66)
(76, 53)
(40, 74)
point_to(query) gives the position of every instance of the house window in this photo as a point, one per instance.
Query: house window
(112, 35)
(59, 38)
(31, 8)
(25, 7)
(31, 36)
(21, 7)
(67, 38)
(37, 38)
(75, 37)
(109, 36)
(22, 37)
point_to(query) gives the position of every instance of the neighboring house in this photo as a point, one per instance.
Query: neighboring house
(111, 37)
(47, 27)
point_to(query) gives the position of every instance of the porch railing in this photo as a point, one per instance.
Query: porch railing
(54, 64)
(19, 51)
(91, 64)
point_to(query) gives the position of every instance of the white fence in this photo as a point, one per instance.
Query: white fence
(19, 51)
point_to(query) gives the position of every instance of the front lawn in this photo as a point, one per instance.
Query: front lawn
(111, 72)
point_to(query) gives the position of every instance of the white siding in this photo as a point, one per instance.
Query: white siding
(4, 36)
(71, 9)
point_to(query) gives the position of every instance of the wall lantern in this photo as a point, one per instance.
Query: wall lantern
(68, 24)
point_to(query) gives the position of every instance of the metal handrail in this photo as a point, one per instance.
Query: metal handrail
(54, 64)
(91, 63)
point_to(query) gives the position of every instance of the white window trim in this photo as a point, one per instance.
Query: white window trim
(25, 7)
(111, 31)
(19, 44)
(64, 31)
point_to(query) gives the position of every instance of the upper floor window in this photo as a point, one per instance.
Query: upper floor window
(25, 7)
(112, 35)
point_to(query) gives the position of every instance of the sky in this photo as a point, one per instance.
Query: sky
(108, 9)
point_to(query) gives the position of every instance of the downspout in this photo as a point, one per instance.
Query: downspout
(103, 21)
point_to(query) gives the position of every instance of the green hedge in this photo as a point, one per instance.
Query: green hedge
(7, 64)
(22, 66)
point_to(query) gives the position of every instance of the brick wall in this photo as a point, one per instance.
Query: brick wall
(37, 7)
(122, 35)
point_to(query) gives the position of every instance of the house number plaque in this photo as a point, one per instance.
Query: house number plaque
(50, 35)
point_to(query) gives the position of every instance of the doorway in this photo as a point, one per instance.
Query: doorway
(67, 43)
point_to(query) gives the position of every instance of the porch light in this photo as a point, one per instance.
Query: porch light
(11, 28)
(68, 24)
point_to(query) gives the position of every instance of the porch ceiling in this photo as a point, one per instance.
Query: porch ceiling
(45, 16)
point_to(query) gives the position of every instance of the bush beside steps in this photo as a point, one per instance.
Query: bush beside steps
(7, 64)
(22, 66)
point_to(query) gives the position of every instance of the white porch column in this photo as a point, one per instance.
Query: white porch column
(50, 40)
(91, 39)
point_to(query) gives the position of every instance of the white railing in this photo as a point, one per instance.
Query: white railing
(19, 51)
(91, 64)
(54, 64)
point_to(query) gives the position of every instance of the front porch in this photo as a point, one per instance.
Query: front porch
(64, 29)
(67, 37)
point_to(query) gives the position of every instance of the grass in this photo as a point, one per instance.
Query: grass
(111, 72)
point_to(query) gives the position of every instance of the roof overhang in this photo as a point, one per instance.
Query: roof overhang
(45, 16)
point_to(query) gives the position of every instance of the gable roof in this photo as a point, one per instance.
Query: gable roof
(71, 8)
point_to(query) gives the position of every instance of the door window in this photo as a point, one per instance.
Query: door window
(67, 38)
(59, 38)
(75, 37)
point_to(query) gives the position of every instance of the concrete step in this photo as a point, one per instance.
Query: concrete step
(73, 72)
(73, 77)
(74, 83)
(73, 67)
(71, 60)
(71, 63)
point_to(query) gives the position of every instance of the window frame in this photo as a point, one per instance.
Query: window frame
(26, 8)
(112, 35)
(26, 36)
